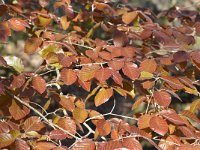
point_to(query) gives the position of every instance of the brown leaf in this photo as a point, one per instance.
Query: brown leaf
(3, 9)
(190, 115)
(131, 143)
(32, 44)
(105, 55)
(68, 76)
(18, 112)
(18, 81)
(85, 144)
(128, 51)
(148, 65)
(162, 98)
(120, 39)
(158, 125)
(4, 31)
(33, 124)
(103, 74)
(173, 82)
(103, 96)
(131, 70)
(103, 127)
(172, 116)
(21, 144)
(187, 132)
(39, 84)
(95, 115)
(57, 135)
(116, 76)
(44, 146)
(127, 18)
(67, 124)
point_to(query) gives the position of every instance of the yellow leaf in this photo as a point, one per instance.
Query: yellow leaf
(145, 75)
(195, 105)
(80, 114)
(103, 96)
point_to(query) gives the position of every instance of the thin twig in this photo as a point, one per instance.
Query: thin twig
(54, 126)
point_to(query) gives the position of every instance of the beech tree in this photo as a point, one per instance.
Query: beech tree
(107, 49)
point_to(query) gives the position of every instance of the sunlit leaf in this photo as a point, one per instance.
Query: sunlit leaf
(6, 139)
(15, 63)
(80, 114)
(103, 96)
(127, 18)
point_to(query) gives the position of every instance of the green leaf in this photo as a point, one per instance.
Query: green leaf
(145, 75)
(15, 63)
(49, 48)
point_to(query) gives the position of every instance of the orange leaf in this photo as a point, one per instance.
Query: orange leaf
(57, 135)
(39, 84)
(33, 124)
(68, 76)
(132, 144)
(103, 74)
(129, 17)
(44, 146)
(148, 65)
(85, 144)
(172, 116)
(21, 144)
(68, 124)
(143, 121)
(18, 112)
(80, 114)
(162, 98)
(131, 71)
(18, 24)
(103, 127)
(158, 125)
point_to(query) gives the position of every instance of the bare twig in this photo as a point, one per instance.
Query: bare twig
(54, 126)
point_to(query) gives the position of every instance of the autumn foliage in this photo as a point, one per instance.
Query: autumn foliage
(108, 50)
